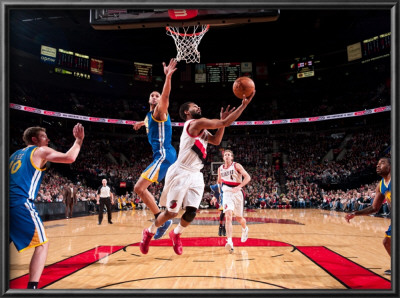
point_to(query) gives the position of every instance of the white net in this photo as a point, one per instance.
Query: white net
(187, 40)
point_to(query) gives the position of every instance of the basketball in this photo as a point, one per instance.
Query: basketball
(243, 85)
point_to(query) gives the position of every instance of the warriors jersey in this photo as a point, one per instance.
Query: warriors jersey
(25, 176)
(159, 133)
(230, 176)
(192, 149)
(386, 190)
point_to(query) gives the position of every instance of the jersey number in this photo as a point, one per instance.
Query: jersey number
(14, 166)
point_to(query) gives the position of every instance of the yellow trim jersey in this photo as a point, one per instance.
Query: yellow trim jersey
(159, 134)
(25, 176)
(386, 190)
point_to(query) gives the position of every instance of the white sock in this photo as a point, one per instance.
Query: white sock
(153, 228)
(229, 240)
(244, 229)
(179, 229)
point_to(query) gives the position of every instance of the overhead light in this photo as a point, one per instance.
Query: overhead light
(30, 20)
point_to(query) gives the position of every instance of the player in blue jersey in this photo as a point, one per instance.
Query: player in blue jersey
(26, 167)
(216, 190)
(159, 132)
(383, 191)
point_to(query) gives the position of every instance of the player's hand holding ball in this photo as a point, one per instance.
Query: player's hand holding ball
(245, 89)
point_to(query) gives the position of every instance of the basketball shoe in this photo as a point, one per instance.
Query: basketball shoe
(163, 229)
(220, 231)
(145, 243)
(245, 234)
(176, 242)
(229, 247)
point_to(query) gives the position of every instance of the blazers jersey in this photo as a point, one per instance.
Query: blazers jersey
(192, 149)
(25, 176)
(386, 190)
(230, 176)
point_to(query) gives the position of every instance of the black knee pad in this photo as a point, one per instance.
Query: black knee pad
(189, 214)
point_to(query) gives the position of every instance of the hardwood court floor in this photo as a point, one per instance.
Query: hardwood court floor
(286, 249)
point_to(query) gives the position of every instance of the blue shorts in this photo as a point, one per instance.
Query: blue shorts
(217, 192)
(389, 232)
(157, 170)
(221, 204)
(26, 226)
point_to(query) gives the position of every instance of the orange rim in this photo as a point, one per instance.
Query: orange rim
(187, 34)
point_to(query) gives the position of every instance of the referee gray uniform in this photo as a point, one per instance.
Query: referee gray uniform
(104, 193)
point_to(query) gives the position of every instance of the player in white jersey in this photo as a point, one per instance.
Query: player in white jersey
(184, 183)
(233, 177)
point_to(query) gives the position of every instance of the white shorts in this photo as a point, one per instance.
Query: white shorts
(183, 187)
(233, 200)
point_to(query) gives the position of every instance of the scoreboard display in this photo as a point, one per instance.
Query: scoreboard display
(143, 72)
(305, 67)
(222, 72)
(71, 63)
(377, 45)
(81, 62)
(65, 58)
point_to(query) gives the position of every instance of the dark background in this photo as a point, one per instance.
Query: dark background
(297, 33)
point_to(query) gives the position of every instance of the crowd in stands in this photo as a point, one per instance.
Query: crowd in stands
(352, 200)
(305, 170)
(300, 162)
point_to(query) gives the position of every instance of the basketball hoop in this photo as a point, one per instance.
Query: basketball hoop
(187, 41)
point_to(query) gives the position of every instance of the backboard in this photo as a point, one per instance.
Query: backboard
(114, 19)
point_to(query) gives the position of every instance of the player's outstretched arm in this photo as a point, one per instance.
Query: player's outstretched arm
(49, 154)
(228, 119)
(228, 116)
(162, 106)
(217, 137)
(374, 208)
(138, 125)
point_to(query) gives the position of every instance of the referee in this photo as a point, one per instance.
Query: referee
(106, 197)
